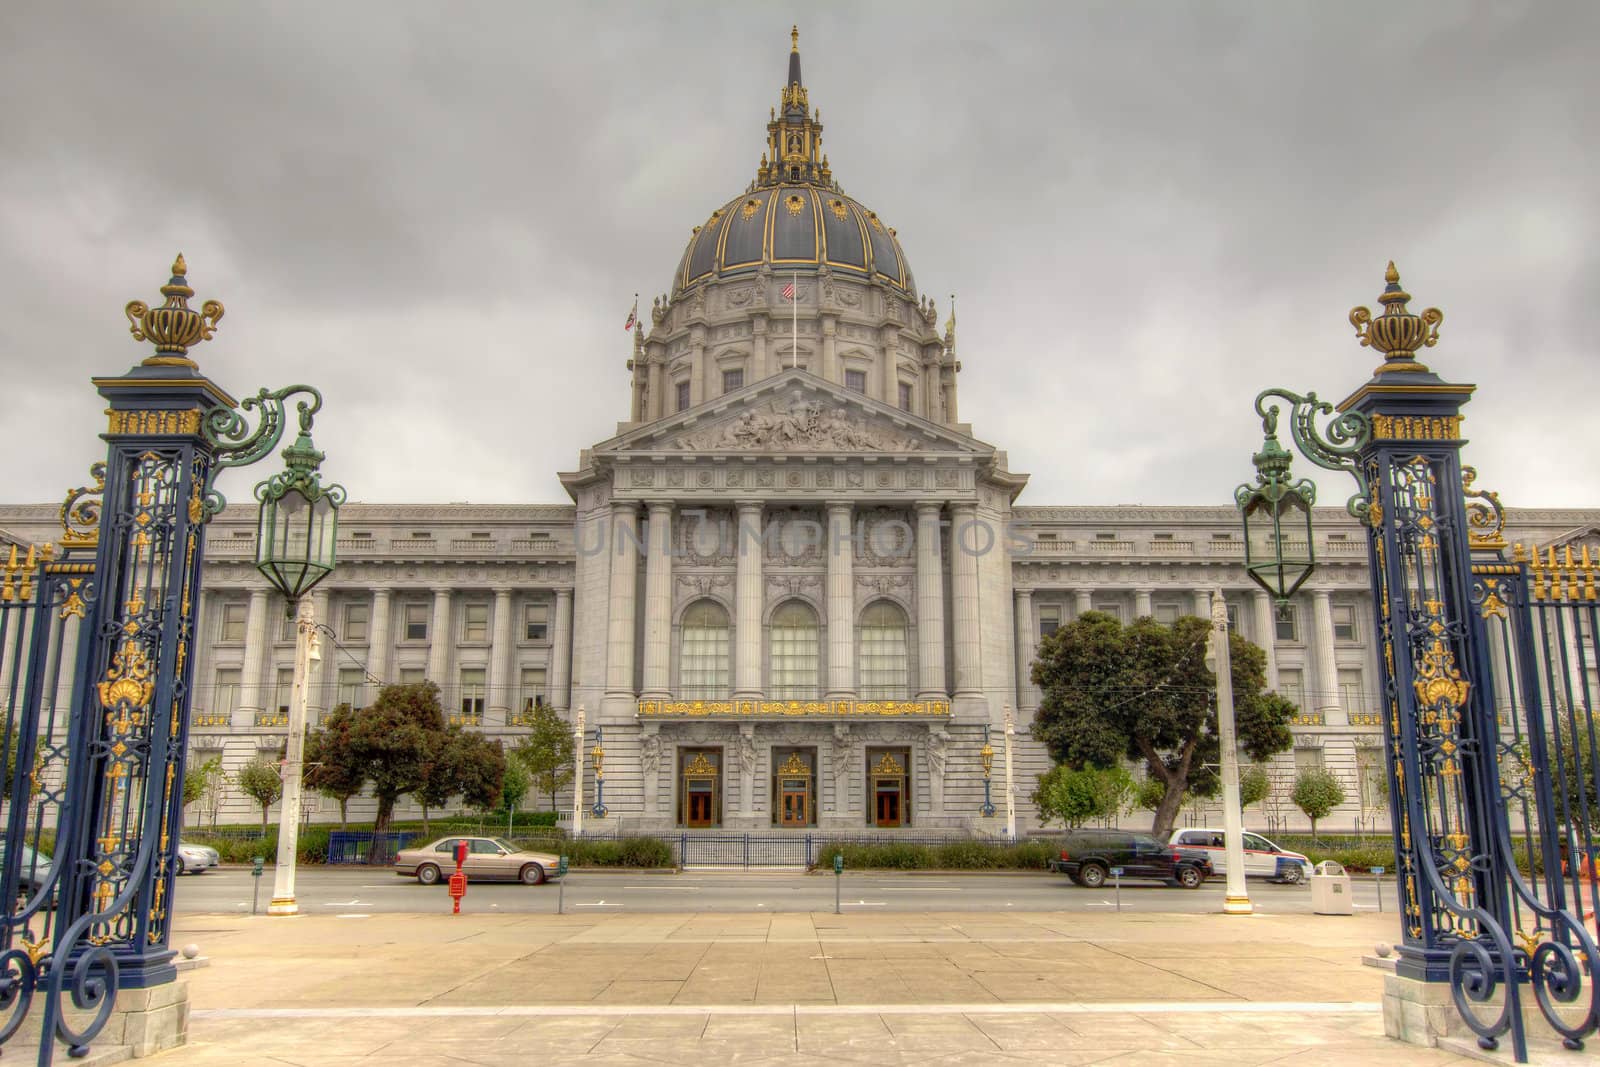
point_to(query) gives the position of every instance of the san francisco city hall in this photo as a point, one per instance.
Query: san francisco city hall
(795, 587)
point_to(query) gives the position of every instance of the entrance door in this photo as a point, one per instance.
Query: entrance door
(794, 795)
(701, 807)
(888, 803)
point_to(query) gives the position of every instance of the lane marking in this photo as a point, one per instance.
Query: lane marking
(597, 904)
(345, 904)
(1194, 1007)
(864, 903)
(914, 889)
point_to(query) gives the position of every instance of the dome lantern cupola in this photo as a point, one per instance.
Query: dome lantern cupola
(794, 133)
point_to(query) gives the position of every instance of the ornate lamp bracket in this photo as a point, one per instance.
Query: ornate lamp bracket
(237, 445)
(1334, 449)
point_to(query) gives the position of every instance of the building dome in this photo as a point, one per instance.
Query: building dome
(790, 228)
(794, 217)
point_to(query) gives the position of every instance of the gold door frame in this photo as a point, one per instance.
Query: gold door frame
(888, 770)
(699, 769)
(797, 770)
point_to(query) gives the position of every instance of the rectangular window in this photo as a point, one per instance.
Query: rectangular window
(1167, 614)
(352, 686)
(1222, 537)
(732, 379)
(1291, 688)
(421, 535)
(683, 396)
(1049, 619)
(1105, 537)
(1233, 618)
(1344, 622)
(535, 622)
(285, 689)
(1286, 623)
(357, 621)
(1044, 537)
(905, 396)
(1114, 610)
(416, 622)
(1306, 759)
(412, 675)
(1350, 692)
(1161, 537)
(480, 535)
(362, 535)
(533, 691)
(856, 379)
(286, 623)
(475, 622)
(226, 699)
(233, 617)
(472, 683)
(1372, 779)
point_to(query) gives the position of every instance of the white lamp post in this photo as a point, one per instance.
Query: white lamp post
(1011, 798)
(306, 650)
(577, 776)
(1236, 900)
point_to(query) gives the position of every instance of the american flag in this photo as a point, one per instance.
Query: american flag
(788, 291)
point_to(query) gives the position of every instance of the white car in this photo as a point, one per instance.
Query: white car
(1262, 859)
(192, 859)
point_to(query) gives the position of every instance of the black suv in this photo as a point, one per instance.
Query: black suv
(1087, 857)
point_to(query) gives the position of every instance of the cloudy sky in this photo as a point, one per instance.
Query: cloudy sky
(1149, 211)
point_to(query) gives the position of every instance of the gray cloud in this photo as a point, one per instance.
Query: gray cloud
(1149, 211)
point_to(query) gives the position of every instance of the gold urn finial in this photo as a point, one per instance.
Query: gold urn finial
(173, 326)
(794, 38)
(1397, 333)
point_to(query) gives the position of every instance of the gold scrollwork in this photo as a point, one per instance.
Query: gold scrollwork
(794, 767)
(700, 766)
(80, 512)
(837, 207)
(794, 204)
(749, 209)
(888, 765)
(649, 709)
(1416, 427)
(128, 677)
(123, 423)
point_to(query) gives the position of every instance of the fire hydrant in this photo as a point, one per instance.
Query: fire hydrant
(458, 881)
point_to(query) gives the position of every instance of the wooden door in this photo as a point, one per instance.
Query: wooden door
(888, 805)
(795, 808)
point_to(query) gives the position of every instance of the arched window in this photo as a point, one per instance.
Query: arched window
(883, 655)
(796, 653)
(703, 655)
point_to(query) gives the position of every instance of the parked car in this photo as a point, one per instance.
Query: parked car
(195, 859)
(1088, 857)
(1262, 859)
(35, 874)
(488, 859)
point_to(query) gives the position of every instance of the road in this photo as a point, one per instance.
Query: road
(368, 891)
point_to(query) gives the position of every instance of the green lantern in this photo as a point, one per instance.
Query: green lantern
(297, 530)
(1277, 519)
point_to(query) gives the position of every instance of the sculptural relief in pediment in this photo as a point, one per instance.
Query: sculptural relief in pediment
(798, 425)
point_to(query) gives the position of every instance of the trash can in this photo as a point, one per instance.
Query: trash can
(1330, 890)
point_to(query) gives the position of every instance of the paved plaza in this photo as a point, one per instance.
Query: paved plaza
(882, 988)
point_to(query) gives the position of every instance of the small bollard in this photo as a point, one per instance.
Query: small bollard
(561, 886)
(1116, 880)
(257, 865)
(838, 877)
(1377, 879)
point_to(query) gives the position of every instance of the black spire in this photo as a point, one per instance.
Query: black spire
(794, 134)
(794, 56)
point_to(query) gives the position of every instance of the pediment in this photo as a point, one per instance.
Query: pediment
(793, 412)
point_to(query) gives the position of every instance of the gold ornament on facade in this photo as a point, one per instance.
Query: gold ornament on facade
(1396, 332)
(80, 511)
(751, 208)
(700, 766)
(1416, 428)
(127, 680)
(888, 766)
(837, 207)
(174, 326)
(1486, 519)
(794, 767)
(794, 203)
(695, 709)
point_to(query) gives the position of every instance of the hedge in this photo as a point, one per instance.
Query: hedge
(953, 856)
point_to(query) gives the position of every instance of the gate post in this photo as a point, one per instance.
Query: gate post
(124, 791)
(1439, 722)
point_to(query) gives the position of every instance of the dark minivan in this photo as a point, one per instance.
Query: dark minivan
(1088, 856)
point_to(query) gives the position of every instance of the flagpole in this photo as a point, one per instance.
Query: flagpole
(794, 328)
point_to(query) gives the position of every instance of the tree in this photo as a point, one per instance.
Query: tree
(259, 780)
(1317, 791)
(464, 764)
(1149, 793)
(1077, 796)
(1143, 692)
(1573, 771)
(330, 769)
(386, 745)
(513, 789)
(197, 779)
(1254, 785)
(546, 753)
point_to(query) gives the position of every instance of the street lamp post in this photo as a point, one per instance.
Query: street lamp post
(1236, 901)
(577, 776)
(598, 754)
(987, 756)
(296, 541)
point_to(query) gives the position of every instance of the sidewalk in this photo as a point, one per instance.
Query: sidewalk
(887, 988)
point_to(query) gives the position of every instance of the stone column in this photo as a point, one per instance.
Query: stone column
(1022, 612)
(1266, 627)
(1327, 697)
(747, 592)
(321, 667)
(378, 642)
(254, 688)
(930, 604)
(440, 641)
(830, 361)
(502, 687)
(840, 547)
(964, 599)
(1202, 603)
(1082, 601)
(1141, 603)
(657, 380)
(759, 367)
(624, 552)
(559, 675)
(658, 601)
(697, 372)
